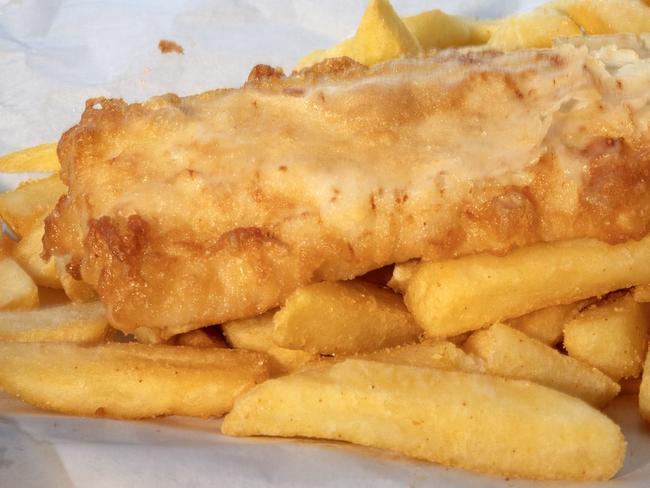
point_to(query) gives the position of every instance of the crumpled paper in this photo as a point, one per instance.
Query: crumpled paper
(55, 54)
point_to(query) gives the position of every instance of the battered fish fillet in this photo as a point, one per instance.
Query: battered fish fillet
(183, 212)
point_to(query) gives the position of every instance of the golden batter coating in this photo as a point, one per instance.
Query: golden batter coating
(184, 212)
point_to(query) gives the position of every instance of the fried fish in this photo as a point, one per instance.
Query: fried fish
(183, 212)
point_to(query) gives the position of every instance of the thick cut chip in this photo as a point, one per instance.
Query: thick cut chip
(537, 29)
(612, 336)
(33, 159)
(203, 337)
(607, 16)
(381, 36)
(128, 380)
(17, 289)
(430, 354)
(73, 322)
(23, 207)
(512, 354)
(454, 296)
(343, 318)
(547, 324)
(28, 254)
(436, 29)
(427, 354)
(473, 421)
(256, 334)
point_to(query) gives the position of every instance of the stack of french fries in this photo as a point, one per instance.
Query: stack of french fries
(493, 364)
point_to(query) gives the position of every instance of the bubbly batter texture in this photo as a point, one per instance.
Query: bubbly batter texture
(184, 212)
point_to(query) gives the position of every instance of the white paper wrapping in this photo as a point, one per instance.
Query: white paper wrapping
(54, 54)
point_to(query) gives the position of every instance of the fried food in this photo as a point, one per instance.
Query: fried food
(81, 323)
(128, 380)
(547, 324)
(256, 334)
(477, 422)
(512, 354)
(436, 29)
(32, 159)
(17, 289)
(343, 318)
(606, 16)
(458, 295)
(427, 354)
(536, 29)
(26, 206)
(27, 253)
(381, 36)
(611, 336)
(641, 293)
(236, 198)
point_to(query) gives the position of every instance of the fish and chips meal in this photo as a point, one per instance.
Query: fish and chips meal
(431, 238)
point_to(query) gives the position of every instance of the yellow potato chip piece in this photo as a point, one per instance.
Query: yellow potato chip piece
(17, 289)
(381, 35)
(607, 16)
(256, 334)
(436, 29)
(128, 380)
(537, 29)
(83, 323)
(33, 159)
(474, 421)
(23, 207)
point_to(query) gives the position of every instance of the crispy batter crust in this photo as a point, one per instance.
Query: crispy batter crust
(187, 212)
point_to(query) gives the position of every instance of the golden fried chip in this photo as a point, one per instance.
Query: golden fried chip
(17, 289)
(547, 324)
(83, 323)
(533, 30)
(256, 334)
(611, 336)
(512, 354)
(34, 159)
(435, 29)
(427, 354)
(128, 380)
(381, 36)
(478, 422)
(454, 296)
(607, 16)
(344, 317)
(28, 204)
